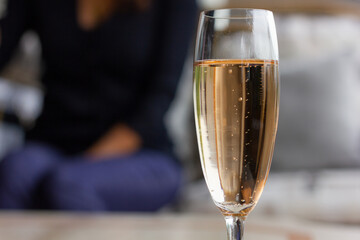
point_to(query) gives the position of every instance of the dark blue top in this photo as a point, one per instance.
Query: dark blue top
(124, 71)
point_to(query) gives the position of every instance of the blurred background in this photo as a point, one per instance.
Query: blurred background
(316, 166)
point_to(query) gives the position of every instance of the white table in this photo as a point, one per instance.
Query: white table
(77, 226)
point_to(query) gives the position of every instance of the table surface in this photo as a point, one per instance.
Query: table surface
(77, 226)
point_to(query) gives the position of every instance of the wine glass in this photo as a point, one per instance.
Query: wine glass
(236, 98)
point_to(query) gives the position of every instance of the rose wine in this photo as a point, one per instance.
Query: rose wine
(236, 110)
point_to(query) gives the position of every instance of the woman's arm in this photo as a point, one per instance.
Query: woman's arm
(177, 28)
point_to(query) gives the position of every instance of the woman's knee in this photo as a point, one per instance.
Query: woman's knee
(65, 188)
(20, 174)
(162, 179)
(169, 182)
(27, 161)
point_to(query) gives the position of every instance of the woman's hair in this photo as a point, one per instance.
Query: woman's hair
(92, 13)
(141, 4)
(131, 5)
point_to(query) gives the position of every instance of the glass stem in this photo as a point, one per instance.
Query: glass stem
(234, 227)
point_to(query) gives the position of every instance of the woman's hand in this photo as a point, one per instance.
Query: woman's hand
(119, 140)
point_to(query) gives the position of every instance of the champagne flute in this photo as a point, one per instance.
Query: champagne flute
(236, 98)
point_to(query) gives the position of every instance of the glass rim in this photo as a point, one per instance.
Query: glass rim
(239, 13)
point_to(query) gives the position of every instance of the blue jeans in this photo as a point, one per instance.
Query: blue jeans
(40, 177)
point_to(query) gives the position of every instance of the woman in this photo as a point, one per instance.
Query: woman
(110, 72)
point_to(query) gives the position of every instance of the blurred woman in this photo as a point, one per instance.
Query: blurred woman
(110, 71)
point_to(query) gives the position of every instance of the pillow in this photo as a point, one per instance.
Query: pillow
(319, 123)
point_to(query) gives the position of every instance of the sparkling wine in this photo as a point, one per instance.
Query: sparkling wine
(236, 110)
